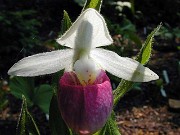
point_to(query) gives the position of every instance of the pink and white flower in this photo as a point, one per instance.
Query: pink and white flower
(85, 95)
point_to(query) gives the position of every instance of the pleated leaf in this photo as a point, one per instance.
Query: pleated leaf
(26, 124)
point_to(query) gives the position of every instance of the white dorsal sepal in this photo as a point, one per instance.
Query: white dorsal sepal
(88, 31)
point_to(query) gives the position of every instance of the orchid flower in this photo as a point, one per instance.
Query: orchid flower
(85, 95)
(87, 33)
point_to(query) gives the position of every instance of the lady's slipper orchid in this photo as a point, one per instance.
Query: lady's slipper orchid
(85, 98)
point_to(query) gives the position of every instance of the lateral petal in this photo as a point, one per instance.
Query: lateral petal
(122, 67)
(42, 63)
(88, 31)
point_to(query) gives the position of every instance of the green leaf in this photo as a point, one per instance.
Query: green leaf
(22, 86)
(143, 57)
(96, 4)
(121, 90)
(145, 52)
(31, 125)
(57, 124)
(22, 120)
(110, 127)
(26, 124)
(66, 22)
(42, 97)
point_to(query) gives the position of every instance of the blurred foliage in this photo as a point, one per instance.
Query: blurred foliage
(169, 33)
(40, 96)
(155, 11)
(18, 30)
(80, 2)
(126, 31)
(4, 90)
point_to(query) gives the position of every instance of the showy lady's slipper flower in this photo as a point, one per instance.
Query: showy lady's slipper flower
(85, 95)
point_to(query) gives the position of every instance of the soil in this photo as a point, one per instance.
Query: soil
(147, 120)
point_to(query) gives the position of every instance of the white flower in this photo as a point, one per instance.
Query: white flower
(87, 33)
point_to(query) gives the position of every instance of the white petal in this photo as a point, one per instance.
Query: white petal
(88, 31)
(125, 68)
(43, 63)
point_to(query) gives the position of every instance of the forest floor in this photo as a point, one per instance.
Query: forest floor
(147, 120)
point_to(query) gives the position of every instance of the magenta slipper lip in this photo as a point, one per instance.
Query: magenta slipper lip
(85, 109)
